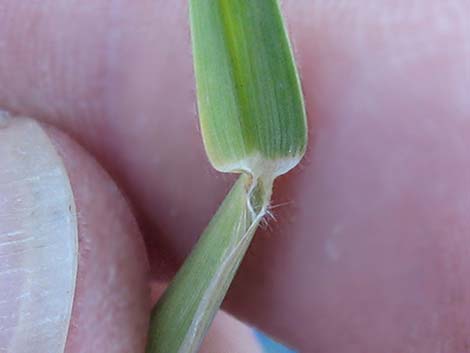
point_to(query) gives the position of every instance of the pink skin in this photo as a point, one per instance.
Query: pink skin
(370, 254)
(112, 297)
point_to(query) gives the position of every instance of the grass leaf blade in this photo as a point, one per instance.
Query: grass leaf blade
(249, 96)
(183, 315)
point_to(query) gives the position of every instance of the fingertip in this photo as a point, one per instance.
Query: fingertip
(112, 303)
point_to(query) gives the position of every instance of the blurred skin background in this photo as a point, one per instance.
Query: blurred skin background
(370, 248)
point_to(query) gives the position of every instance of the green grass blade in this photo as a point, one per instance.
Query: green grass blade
(249, 97)
(253, 121)
(182, 316)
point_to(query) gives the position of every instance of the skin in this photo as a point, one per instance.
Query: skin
(370, 252)
(112, 295)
